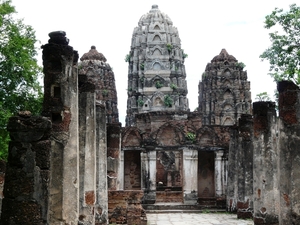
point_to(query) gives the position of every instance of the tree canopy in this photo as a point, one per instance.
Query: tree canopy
(19, 70)
(284, 53)
(263, 97)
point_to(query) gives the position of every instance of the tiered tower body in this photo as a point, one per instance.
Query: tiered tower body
(97, 71)
(156, 72)
(224, 92)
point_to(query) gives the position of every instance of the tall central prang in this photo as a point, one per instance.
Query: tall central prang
(156, 72)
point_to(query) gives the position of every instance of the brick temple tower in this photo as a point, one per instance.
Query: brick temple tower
(156, 72)
(224, 92)
(96, 70)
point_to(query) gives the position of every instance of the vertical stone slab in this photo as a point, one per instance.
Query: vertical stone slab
(218, 173)
(150, 194)
(245, 168)
(265, 164)
(26, 187)
(87, 160)
(113, 155)
(232, 187)
(190, 171)
(101, 143)
(289, 160)
(61, 105)
(240, 168)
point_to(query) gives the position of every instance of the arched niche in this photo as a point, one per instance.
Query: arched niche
(158, 101)
(131, 138)
(168, 135)
(156, 66)
(156, 27)
(156, 38)
(157, 52)
(227, 121)
(206, 137)
(227, 94)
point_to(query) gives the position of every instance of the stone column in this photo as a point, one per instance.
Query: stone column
(232, 172)
(113, 155)
(150, 170)
(218, 173)
(102, 194)
(244, 165)
(288, 152)
(190, 170)
(265, 186)
(61, 105)
(87, 160)
(121, 171)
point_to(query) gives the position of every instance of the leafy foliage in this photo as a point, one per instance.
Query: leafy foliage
(158, 84)
(168, 101)
(105, 92)
(19, 71)
(173, 86)
(184, 55)
(190, 136)
(241, 65)
(140, 102)
(263, 97)
(169, 47)
(127, 58)
(142, 66)
(284, 53)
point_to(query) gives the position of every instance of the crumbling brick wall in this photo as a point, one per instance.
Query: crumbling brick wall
(26, 188)
(124, 207)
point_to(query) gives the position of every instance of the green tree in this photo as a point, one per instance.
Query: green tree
(19, 71)
(263, 97)
(284, 53)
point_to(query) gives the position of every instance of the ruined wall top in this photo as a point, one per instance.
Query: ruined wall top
(156, 72)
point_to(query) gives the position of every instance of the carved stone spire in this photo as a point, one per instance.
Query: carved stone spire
(156, 72)
(94, 71)
(224, 92)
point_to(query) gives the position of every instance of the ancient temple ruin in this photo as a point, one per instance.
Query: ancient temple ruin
(156, 72)
(76, 164)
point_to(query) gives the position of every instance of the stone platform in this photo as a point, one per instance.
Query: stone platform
(195, 218)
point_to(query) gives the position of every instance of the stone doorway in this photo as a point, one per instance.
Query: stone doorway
(132, 170)
(169, 176)
(206, 174)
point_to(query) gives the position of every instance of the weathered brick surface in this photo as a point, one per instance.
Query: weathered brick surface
(124, 207)
(27, 174)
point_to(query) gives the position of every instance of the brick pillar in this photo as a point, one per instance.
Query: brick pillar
(101, 148)
(61, 105)
(87, 153)
(240, 168)
(245, 168)
(265, 165)
(289, 160)
(113, 155)
(26, 187)
(232, 188)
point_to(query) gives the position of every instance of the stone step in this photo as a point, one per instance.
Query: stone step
(206, 210)
(181, 207)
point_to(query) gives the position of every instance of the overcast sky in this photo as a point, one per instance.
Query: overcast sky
(205, 27)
